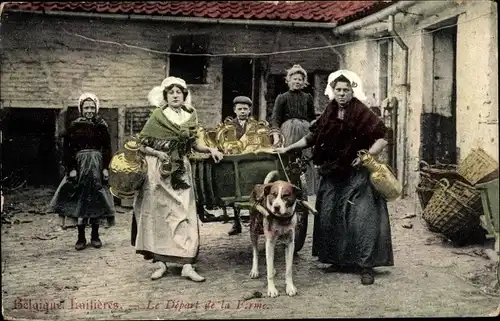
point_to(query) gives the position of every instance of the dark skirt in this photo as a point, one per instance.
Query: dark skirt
(85, 199)
(352, 228)
(293, 130)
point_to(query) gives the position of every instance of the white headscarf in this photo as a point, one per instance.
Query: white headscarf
(86, 96)
(357, 86)
(155, 96)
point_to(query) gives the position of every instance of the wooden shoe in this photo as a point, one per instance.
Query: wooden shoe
(81, 244)
(96, 243)
(367, 277)
(160, 272)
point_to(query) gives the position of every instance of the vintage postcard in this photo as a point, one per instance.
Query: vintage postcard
(249, 159)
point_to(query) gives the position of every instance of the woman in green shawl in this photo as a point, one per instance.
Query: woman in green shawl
(165, 222)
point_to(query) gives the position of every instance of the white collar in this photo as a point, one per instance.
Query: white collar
(179, 116)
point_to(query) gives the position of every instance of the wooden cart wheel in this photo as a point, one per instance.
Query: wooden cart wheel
(301, 228)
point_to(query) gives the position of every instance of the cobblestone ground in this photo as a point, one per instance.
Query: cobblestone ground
(44, 278)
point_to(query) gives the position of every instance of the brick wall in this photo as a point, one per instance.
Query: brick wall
(45, 65)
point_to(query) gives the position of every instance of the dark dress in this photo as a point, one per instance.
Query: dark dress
(85, 199)
(352, 228)
(292, 104)
(292, 114)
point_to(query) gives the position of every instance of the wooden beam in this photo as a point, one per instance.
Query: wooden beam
(262, 100)
(318, 91)
(253, 81)
(121, 126)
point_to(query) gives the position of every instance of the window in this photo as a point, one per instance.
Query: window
(135, 119)
(383, 78)
(193, 69)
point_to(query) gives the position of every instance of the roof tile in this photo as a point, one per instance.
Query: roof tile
(317, 11)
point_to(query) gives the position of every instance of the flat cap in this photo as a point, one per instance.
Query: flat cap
(242, 100)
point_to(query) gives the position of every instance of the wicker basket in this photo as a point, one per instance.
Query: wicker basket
(477, 165)
(424, 195)
(449, 210)
(426, 180)
(429, 179)
(469, 196)
(439, 171)
(425, 188)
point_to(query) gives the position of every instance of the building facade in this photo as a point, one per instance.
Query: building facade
(434, 65)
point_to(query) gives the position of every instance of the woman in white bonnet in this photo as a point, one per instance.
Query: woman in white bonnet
(292, 114)
(351, 230)
(165, 221)
(83, 197)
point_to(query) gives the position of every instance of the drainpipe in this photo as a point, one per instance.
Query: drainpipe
(404, 100)
(381, 15)
(376, 17)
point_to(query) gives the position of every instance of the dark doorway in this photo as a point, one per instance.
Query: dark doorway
(238, 76)
(438, 128)
(29, 145)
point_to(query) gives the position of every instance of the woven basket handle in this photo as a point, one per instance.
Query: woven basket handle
(445, 183)
(425, 174)
(423, 164)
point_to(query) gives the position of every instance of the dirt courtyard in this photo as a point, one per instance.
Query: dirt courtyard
(44, 278)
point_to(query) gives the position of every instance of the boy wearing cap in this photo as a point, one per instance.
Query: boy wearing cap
(242, 107)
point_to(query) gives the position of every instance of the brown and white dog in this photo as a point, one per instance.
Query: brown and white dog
(274, 213)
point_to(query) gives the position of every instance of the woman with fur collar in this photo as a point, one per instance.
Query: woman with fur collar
(165, 222)
(352, 230)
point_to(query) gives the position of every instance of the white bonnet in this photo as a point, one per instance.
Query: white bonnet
(356, 84)
(155, 96)
(86, 96)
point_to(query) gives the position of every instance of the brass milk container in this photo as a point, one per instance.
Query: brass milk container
(263, 132)
(127, 171)
(226, 139)
(381, 176)
(251, 139)
(204, 137)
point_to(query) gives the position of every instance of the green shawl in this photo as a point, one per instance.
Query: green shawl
(158, 126)
(177, 140)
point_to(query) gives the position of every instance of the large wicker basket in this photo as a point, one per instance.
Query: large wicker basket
(430, 175)
(453, 210)
(425, 189)
(439, 171)
(477, 165)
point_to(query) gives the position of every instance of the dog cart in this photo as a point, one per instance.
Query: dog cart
(229, 183)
